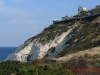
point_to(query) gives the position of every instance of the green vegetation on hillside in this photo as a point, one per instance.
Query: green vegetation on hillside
(18, 68)
(84, 65)
(52, 68)
(87, 37)
(50, 33)
(9, 67)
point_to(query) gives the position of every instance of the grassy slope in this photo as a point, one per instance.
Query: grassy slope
(89, 54)
(50, 33)
(87, 37)
(87, 34)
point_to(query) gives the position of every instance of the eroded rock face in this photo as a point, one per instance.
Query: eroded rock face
(36, 49)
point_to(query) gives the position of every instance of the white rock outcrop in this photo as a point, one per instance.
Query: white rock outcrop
(36, 49)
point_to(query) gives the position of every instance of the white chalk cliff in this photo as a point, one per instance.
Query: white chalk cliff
(36, 49)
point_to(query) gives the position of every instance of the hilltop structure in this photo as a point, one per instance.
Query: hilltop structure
(98, 6)
(81, 9)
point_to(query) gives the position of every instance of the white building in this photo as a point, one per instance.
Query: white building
(81, 8)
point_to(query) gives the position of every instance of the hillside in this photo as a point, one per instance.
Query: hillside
(86, 36)
(64, 48)
(72, 35)
(92, 54)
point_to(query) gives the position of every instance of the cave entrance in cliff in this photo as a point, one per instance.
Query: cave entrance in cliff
(26, 57)
(51, 50)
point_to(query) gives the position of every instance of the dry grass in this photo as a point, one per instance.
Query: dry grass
(90, 52)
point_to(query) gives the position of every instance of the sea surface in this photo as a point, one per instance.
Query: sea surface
(5, 51)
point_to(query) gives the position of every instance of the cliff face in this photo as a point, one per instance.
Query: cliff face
(36, 49)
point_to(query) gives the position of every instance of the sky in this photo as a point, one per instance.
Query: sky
(23, 19)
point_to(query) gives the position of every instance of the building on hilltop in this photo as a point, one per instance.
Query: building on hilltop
(81, 9)
(98, 6)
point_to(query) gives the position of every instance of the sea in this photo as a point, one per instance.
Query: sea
(5, 51)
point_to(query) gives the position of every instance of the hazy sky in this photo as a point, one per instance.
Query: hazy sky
(22, 19)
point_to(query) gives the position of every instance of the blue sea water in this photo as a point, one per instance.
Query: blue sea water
(5, 51)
